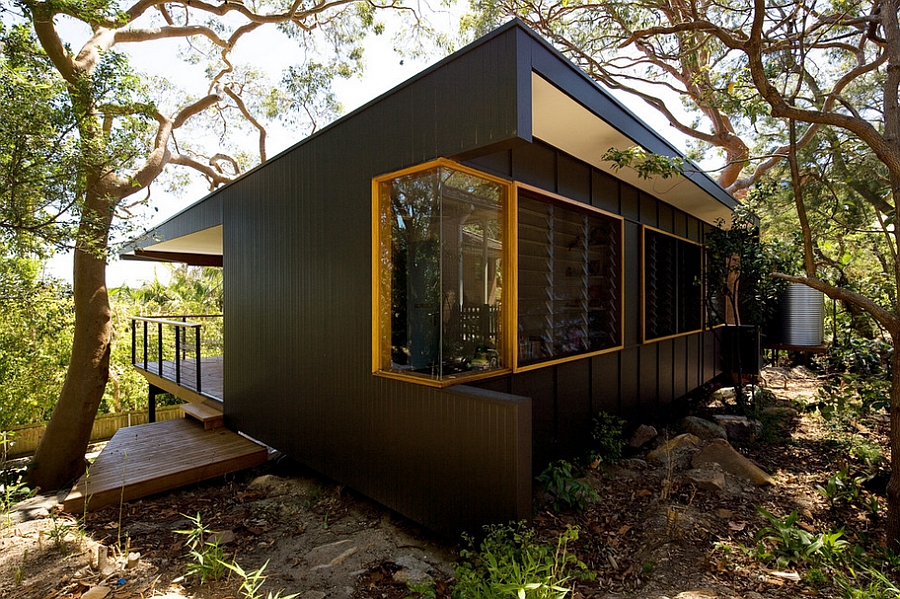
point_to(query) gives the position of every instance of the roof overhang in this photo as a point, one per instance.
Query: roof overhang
(203, 248)
(561, 121)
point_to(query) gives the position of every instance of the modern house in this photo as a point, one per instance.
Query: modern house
(431, 297)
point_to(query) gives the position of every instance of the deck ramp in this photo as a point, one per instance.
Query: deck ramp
(151, 458)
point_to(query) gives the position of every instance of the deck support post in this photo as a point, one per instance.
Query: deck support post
(151, 402)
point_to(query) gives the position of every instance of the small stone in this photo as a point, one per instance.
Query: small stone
(643, 435)
(723, 395)
(97, 592)
(703, 429)
(706, 479)
(98, 557)
(720, 452)
(698, 594)
(724, 514)
(222, 538)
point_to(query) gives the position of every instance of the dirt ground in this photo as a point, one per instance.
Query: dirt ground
(652, 534)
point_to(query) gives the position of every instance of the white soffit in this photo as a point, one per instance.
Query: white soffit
(564, 123)
(208, 241)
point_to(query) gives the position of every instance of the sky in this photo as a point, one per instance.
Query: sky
(384, 70)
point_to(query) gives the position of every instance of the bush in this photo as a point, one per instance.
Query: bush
(608, 438)
(509, 562)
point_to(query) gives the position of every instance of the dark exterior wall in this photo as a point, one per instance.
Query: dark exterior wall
(298, 300)
(641, 379)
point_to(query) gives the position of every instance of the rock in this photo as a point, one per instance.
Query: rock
(222, 538)
(723, 454)
(724, 514)
(313, 595)
(97, 592)
(698, 594)
(707, 479)
(723, 395)
(643, 435)
(703, 429)
(738, 428)
(781, 412)
(330, 555)
(676, 451)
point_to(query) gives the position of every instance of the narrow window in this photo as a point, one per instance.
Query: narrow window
(439, 276)
(569, 280)
(673, 292)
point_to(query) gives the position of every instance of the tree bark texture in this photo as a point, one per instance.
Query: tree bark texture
(59, 458)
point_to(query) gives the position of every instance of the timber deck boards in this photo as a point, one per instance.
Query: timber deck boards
(183, 383)
(151, 458)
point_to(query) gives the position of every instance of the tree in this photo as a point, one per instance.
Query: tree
(801, 65)
(126, 139)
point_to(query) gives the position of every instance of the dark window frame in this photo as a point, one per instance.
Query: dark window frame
(671, 282)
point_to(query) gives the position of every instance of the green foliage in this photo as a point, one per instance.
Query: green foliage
(647, 164)
(849, 396)
(40, 152)
(738, 266)
(608, 438)
(35, 340)
(842, 487)
(784, 543)
(206, 554)
(252, 581)
(12, 482)
(510, 562)
(564, 482)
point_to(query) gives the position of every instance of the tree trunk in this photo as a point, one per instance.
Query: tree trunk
(893, 488)
(59, 458)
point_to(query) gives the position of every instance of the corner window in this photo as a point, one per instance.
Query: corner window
(440, 254)
(672, 285)
(569, 279)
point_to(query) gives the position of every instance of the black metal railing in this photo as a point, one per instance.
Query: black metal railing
(174, 347)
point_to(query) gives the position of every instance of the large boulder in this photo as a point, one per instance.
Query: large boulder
(738, 428)
(723, 454)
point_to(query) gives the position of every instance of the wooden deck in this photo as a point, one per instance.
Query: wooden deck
(151, 458)
(210, 378)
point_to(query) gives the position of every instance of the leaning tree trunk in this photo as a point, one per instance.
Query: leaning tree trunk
(59, 458)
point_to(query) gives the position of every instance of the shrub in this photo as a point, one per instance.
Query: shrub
(509, 562)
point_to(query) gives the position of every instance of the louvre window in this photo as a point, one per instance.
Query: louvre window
(672, 288)
(569, 280)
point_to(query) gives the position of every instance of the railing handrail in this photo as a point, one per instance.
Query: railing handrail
(174, 323)
(183, 316)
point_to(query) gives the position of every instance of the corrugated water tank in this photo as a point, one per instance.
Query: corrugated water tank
(803, 316)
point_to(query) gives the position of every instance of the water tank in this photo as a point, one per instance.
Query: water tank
(803, 316)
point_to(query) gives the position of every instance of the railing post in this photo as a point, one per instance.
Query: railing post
(159, 347)
(199, 356)
(145, 345)
(133, 340)
(177, 356)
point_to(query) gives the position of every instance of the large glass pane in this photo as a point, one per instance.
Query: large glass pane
(444, 266)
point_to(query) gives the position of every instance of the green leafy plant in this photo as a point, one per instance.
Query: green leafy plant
(208, 556)
(841, 487)
(509, 562)
(563, 482)
(12, 485)
(421, 590)
(785, 543)
(608, 438)
(252, 581)
(59, 532)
